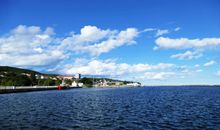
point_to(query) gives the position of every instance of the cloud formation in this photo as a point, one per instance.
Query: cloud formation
(157, 75)
(161, 32)
(177, 29)
(218, 73)
(185, 43)
(33, 46)
(187, 55)
(110, 67)
(95, 41)
(212, 62)
(29, 46)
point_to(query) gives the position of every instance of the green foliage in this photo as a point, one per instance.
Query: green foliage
(8, 83)
(22, 80)
(10, 76)
(16, 70)
(88, 82)
(49, 82)
(33, 78)
(40, 82)
(13, 79)
(68, 81)
(58, 82)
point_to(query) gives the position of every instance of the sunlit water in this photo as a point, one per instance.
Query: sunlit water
(121, 108)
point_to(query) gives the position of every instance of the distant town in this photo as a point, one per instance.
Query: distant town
(11, 76)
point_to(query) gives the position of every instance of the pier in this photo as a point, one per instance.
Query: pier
(16, 89)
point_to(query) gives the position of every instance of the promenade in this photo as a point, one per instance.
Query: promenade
(16, 89)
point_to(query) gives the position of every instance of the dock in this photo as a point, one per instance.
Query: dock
(17, 89)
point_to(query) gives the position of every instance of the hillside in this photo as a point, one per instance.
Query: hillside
(16, 70)
(11, 76)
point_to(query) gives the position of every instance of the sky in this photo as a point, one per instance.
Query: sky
(155, 42)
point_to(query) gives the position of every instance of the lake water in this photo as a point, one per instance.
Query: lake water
(113, 108)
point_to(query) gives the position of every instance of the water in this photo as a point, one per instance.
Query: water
(110, 108)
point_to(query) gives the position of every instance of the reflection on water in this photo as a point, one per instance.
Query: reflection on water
(122, 108)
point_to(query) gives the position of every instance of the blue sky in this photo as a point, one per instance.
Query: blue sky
(151, 41)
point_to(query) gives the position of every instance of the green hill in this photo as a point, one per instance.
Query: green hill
(11, 76)
(16, 70)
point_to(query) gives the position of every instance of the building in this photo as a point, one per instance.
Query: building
(41, 76)
(74, 84)
(134, 84)
(78, 76)
(29, 75)
(61, 77)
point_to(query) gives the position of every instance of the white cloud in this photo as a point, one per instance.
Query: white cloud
(29, 46)
(212, 62)
(110, 67)
(187, 55)
(157, 75)
(149, 29)
(197, 65)
(185, 71)
(177, 29)
(34, 46)
(92, 34)
(199, 70)
(161, 32)
(155, 48)
(97, 41)
(218, 73)
(184, 43)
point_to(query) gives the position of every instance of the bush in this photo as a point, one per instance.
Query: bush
(22, 80)
(49, 82)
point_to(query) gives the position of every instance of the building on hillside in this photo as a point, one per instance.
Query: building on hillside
(29, 75)
(75, 84)
(80, 84)
(78, 76)
(135, 84)
(62, 77)
(38, 76)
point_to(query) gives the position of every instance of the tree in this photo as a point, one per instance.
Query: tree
(40, 82)
(68, 81)
(87, 82)
(58, 82)
(22, 80)
(49, 82)
(33, 78)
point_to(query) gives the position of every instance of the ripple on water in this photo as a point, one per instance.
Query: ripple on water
(125, 108)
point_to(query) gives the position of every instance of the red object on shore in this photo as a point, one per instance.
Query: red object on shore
(59, 87)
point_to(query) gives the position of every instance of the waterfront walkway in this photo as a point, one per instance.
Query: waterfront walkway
(15, 89)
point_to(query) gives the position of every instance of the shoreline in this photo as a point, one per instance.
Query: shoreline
(20, 89)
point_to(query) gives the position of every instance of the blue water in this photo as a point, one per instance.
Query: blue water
(113, 108)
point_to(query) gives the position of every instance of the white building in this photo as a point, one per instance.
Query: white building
(78, 76)
(133, 84)
(74, 84)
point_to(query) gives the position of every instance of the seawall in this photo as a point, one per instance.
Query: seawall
(17, 89)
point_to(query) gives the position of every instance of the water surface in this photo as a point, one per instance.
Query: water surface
(113, 108)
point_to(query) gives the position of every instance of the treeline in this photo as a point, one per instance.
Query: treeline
(16, 70)
(11, 76)
(19, 79)
(15, 79)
